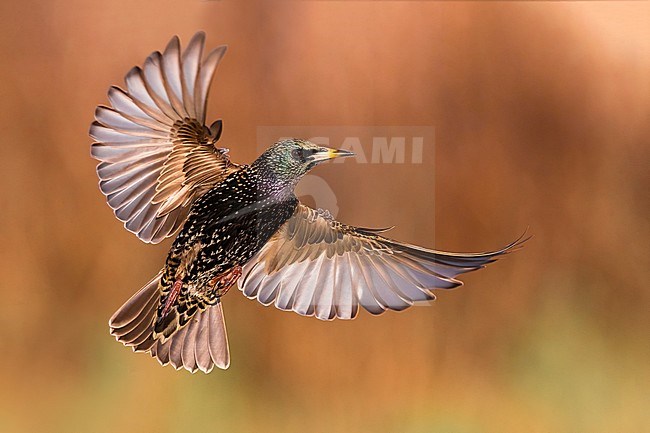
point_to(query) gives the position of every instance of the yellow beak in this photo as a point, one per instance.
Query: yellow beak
(326, 153)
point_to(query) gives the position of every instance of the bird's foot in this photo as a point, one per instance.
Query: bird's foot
(224, 281)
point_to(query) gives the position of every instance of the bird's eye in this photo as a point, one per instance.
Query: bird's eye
(298, 154)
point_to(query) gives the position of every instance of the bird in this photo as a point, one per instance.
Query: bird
(163, 173)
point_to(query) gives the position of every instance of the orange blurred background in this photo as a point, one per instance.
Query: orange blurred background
(541, 113)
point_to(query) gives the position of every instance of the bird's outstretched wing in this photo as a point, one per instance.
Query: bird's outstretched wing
(156, 154)
(315, 265)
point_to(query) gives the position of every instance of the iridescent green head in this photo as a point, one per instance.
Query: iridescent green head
(289, 160)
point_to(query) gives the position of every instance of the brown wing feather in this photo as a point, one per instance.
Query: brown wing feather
(156, 155)
(315, 265)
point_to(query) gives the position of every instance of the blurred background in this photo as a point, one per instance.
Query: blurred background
(541, 114)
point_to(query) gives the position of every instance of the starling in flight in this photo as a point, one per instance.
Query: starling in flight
(161, 169)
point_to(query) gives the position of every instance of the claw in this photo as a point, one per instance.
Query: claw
(223, 282)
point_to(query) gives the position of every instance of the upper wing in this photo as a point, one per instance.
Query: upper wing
(156, 155)
(315, 265)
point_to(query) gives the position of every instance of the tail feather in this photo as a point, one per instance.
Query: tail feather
(136, 303)
(218, 338)
(146, 345)
(187, 353)
(176, 347)
(201, 350)
(160, 351)
(139, 322)
(200, 345)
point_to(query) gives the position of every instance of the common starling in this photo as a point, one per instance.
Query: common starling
(160, 168)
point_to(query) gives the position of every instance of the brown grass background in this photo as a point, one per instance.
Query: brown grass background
(542, 118)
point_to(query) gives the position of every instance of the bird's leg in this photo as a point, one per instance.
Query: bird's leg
(224, 281)
(183, 261)
(171, 298)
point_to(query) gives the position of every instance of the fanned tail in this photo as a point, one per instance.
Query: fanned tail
(132, 324)
(199, 345)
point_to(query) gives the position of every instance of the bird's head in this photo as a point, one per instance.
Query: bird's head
(292, 158)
